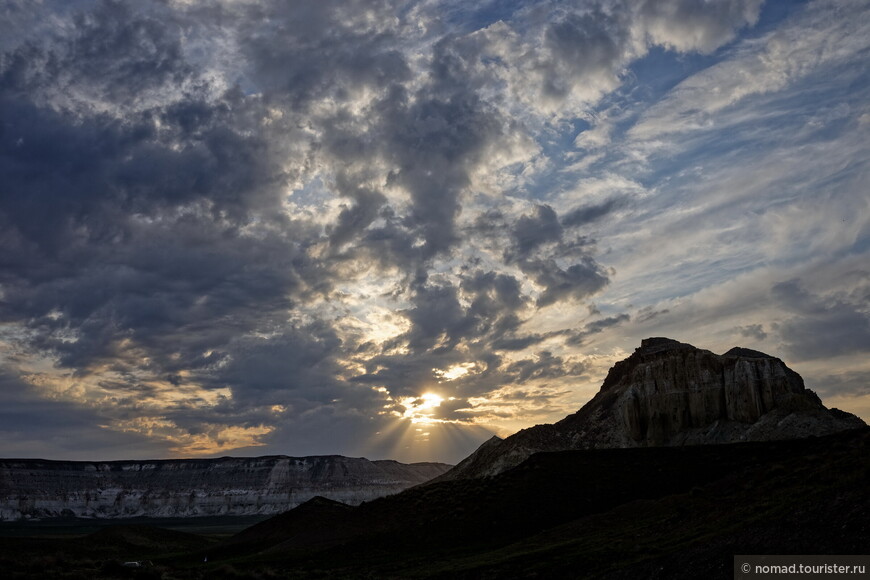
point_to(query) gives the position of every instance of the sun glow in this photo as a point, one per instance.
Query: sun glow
(456, 371)
(421, 409)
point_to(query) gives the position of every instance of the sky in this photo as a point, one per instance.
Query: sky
(392, 229)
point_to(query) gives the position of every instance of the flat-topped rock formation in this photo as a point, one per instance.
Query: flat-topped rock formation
(35, 488)
(668, 393)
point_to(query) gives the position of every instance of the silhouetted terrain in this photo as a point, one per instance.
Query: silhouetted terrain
(624, 488)
(620, 513)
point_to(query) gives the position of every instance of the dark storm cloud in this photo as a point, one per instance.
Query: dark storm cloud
(538, 246)
(473, 323)
(581, 46)
(406, 375)
(595, 327)
(849, 384)
(578, 281)
(164, 289)
(424, 142)
(496, 301)
(299, 363)
(153, 235)
(543, 366)
(434, 143)
(495, 295)
(402, 375)
(431, 141)
(822, 326)
(755, 331)
(72, 181)
(35, 427)
(23, 20)
(130, 228)
(533, 230)
(353, 220)
(112, 53)
(124, 53)
(482, 309)
(393, 244)
(586, 214)
(307, 51)
(648, 313)
(149, 152)
(515, 343)
(439, 319)
(599, 325)
(325, 428)
(151, 242)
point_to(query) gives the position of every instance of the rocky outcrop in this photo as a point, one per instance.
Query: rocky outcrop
(34, 488)
(668, 393)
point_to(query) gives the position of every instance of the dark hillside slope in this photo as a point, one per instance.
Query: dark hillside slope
(654, 502)
(817, 502)
(677, 513)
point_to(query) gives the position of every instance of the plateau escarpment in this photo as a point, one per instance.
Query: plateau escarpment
(34, 488)
(668, 393)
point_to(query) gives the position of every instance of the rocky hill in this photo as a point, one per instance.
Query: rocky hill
(35, 488)
(679, 513)
(646, 512)
(668, 393)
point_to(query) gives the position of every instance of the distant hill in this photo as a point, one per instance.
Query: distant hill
(36, 488)
(668, 393)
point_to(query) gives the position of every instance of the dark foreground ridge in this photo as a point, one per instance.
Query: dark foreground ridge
(654, 512)
(668, 393)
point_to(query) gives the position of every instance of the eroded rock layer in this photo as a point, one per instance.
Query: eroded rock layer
(670, 393)
(33, 488)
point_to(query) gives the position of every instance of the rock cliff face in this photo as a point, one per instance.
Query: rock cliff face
(669, 393)
(33, 488)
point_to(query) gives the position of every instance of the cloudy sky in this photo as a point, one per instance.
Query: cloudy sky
(391, 228)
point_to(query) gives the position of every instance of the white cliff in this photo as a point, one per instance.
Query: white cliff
(35, 488)
(668, 393)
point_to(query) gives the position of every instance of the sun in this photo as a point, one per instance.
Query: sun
(430, 401)
(421, 409)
